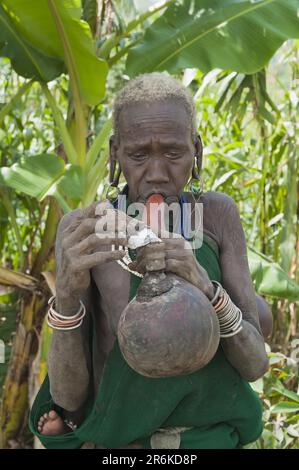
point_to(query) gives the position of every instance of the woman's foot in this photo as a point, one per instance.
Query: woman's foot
(51, 424)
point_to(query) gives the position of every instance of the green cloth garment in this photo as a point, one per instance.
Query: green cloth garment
(222, 409)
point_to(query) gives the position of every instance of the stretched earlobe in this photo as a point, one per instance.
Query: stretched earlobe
(198, 158)
(199, 146)
(113, 179)
(112, 148)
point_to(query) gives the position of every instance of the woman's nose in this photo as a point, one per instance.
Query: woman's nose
(156, 172)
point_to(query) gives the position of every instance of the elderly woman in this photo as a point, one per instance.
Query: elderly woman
(84, 399)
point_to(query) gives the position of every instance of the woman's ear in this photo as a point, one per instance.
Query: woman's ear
(198, 157)
(198, 147)
(112, 158)
(112, 147)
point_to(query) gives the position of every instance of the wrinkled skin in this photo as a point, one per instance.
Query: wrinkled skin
(178, 260)
(80, 252)
(156, 154)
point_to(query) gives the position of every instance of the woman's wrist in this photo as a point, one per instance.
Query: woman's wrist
(210, 291)
(67, 305)
(59, 321)
(229, 315)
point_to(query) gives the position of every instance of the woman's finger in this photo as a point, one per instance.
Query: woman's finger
(177, 267)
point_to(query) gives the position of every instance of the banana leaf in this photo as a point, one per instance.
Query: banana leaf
(44, 37)
(43, 175)
(239, 35)
(270, 279)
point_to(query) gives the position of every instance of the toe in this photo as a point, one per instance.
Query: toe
(46, 416)
(53, 415)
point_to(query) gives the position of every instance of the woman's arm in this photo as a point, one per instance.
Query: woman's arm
(265, 316)
(67, 358)
(246, 350)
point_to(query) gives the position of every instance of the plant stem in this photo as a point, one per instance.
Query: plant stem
(93, 179)
(64, 134)
(80, 121)
(97, 145)
(7, 108)
(48, 236)
(6, 200)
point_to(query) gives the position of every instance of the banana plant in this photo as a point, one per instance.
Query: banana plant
(46, 39)
(233, 35)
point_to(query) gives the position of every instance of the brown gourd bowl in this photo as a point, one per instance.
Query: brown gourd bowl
(172, 334)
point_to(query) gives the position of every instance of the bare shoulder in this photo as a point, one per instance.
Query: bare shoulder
(217, 200)
(220, 212)
(214, 199)
(215, 204)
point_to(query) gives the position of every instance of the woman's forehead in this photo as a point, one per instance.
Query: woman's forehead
(160, 109)
(166, 119)
(162, 141)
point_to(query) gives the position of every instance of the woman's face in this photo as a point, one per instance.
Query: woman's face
(155, 149)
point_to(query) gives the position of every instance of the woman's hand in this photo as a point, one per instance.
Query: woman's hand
(82, 245)
(179, 260)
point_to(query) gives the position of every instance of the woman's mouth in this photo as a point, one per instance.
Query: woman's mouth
(168, 198)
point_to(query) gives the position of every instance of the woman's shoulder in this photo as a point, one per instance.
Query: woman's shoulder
(214, 199)
(216, 211)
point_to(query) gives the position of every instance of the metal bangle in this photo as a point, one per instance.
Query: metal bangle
(57, 318)
(233, 333)
(67, 328)
(218, 290)
(229, 315)
(62, 322)
(52, 302)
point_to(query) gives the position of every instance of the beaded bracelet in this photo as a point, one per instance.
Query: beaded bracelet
(70, 424)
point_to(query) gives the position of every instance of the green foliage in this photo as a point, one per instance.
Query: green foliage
(39, 176)
(228, 34)
(270, 279)
(281, 403)
(35, 175)
(7, 326)
(54, 136)
(54, 30)
(27, 60)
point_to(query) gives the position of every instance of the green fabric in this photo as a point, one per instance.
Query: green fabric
(222, 408)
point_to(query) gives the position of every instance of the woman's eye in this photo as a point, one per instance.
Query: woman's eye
(172, 154)
(138, 156)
